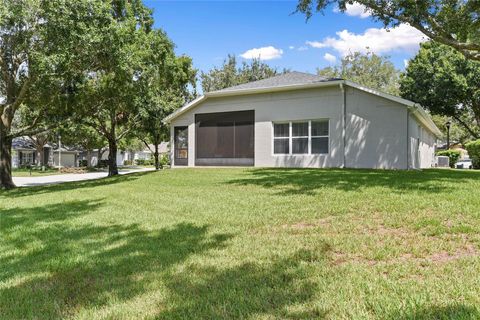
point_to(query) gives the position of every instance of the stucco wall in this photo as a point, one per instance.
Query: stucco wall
(422, 145)
(324, 103)
(376, 132)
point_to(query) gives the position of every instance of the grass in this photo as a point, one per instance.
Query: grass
(244, 243)
(34, 172)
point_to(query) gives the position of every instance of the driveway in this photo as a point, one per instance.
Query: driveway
(60, 178)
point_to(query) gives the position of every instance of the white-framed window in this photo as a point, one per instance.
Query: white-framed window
(301, 137)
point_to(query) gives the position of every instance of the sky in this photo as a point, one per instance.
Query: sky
(208, 31)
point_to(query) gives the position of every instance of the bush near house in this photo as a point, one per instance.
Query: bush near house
(453, 156)
(145, 162)
(473, 149)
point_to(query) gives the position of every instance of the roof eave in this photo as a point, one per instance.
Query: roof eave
(229, 93)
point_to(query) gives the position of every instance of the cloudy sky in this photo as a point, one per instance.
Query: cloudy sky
(209, 30)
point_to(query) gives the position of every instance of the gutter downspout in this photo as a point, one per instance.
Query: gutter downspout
(408, 139)
(344, 123)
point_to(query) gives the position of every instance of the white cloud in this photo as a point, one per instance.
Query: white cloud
(330, 58)
(405, 62)
(377, 40)
(356, 10)
(264, 53)
(303, 48)
(291, 47)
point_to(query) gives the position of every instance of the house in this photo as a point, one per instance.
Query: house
(124, 156)
(302, 120)
(25, 154)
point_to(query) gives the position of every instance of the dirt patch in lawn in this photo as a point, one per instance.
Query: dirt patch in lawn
(469, 250)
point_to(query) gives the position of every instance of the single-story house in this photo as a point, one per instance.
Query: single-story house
(302, 120)
(25, 154)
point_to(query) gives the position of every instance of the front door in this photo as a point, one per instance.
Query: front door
(181, 146)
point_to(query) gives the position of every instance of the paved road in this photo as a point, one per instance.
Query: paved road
(60, 178)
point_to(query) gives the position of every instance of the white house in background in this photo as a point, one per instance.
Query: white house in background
(302, 120)
(125, 156)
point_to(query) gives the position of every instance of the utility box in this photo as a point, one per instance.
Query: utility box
(442, 162)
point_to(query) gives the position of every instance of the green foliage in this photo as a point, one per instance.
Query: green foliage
(473, 149)
(164, 160)
(453, 156)
(458, 133)
(443, 81)
(229, 74)
(453, 23)
(368, 69)
(145, 162)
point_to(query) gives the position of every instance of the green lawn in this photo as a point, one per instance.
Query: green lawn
(251, 244)
(34, 172)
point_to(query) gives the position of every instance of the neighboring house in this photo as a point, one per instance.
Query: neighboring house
(25, 154)
(123, 156)
(302, 120)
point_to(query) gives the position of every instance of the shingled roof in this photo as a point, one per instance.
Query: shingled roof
(285, 79)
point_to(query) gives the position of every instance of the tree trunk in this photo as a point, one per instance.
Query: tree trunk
(89, 158)
(6, 180)
(155, 154)
(40, 156)
(112, 157)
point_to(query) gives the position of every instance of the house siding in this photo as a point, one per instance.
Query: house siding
(376, 128)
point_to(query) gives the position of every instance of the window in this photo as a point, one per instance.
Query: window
(302, 137)
(281, 138)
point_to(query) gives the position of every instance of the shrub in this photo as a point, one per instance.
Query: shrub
(164, 160)
(127, 162)
(82, 163)
(145, 162)
(453, 156)
(473, 149)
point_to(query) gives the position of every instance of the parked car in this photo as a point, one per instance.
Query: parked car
(464, 164)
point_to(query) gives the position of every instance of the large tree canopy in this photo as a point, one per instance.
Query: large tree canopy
(164, 86)
(230, 75)
(369, 69)
(40, 61)
(445, 82)
(454, 23)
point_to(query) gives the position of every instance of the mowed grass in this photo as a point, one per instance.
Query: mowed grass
(34, 172)
(244, 244)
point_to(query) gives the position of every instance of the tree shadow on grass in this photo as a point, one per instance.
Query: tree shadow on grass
(454, 311)
(308, 181)
(69, 266)
(278, 290)
(74, 185)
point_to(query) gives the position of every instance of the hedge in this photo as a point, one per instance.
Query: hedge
(453, 156)
(473, 149)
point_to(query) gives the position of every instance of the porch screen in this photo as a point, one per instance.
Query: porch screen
(225, 135)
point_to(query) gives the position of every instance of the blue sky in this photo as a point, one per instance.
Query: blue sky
(209, 30)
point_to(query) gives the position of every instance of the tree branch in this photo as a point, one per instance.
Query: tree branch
(467, 127)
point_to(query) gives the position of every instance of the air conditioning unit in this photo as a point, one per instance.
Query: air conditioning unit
(442, 162)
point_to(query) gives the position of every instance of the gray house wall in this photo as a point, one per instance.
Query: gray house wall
(376, 128)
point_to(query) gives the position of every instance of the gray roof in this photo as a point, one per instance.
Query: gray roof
(284, 79)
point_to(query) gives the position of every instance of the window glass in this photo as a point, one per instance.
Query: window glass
(320, 128)
(281, 130)
(300, 129)
(299, 145)
(319, 145)
(281, 146)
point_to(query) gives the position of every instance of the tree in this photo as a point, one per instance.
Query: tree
(369, 69)
(229, 75)
(76, 134)
(453, 23)
(164, 84)
(445, 82)
(109, 90)
(39, 61)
